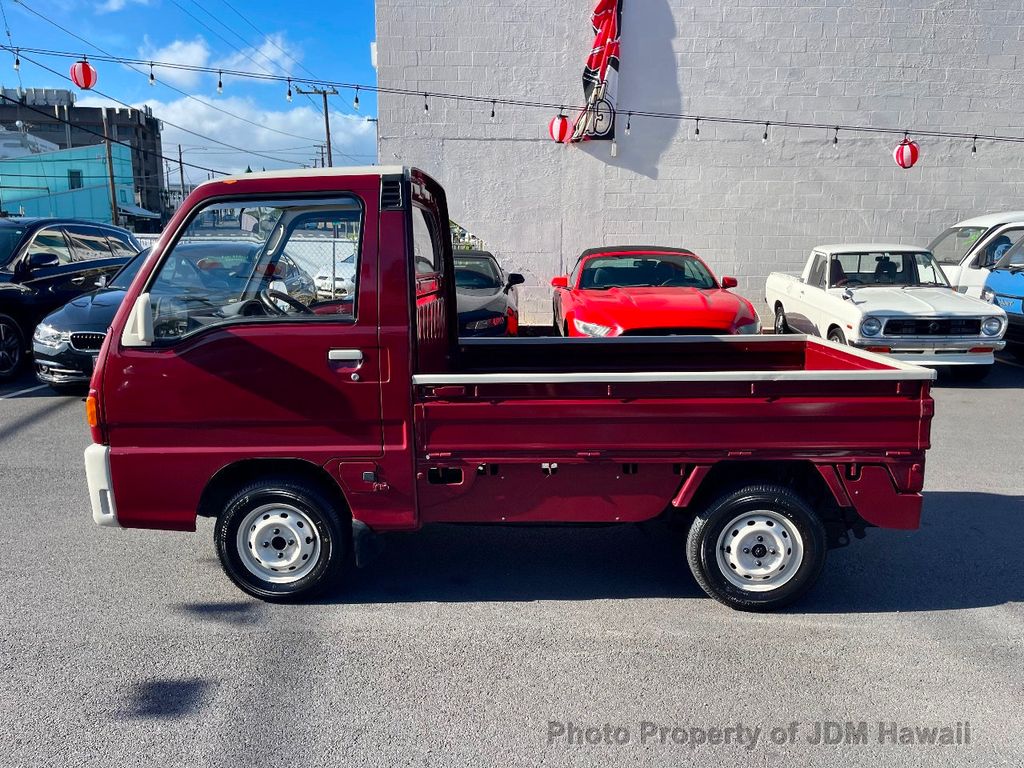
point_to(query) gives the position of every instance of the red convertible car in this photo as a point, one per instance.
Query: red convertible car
(640, 290)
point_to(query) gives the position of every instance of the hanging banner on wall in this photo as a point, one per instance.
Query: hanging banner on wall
(601, 75)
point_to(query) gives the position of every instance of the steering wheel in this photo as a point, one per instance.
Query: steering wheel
(268, 298)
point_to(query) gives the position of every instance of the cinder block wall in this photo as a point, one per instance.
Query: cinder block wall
(749, 208)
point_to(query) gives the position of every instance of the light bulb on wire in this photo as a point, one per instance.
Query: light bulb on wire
(764, 139)
(152, 77)
(355, 101)
(220, 82)
(426, 105)
(289, 96)
(696, 129)
(17, 61)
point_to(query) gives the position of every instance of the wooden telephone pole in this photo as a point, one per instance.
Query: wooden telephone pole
(327, 115)
(110, 170)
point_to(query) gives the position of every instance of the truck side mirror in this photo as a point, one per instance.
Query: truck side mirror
(729, 282)
(138, 331)
(41, 259)
(562, 281)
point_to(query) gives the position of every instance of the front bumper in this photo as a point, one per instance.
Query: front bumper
(101, 488)
(63, 365)
(931, 352)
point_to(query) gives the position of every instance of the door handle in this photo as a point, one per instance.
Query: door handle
(78, 280)
(353, 357)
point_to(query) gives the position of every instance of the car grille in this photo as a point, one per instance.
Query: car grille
(87, 342)
(956, 326)
(674, 332)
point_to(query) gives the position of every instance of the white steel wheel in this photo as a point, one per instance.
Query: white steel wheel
(759, 551)
(278, 543)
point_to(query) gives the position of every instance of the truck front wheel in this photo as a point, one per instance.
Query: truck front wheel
(280, 540)
(756, 549)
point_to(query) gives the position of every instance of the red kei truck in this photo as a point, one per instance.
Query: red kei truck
(304, 430)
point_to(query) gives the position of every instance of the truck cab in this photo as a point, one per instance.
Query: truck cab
(306, 427)
(968, 250)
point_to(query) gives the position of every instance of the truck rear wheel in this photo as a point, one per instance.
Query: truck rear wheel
(280, 540)
(756, 549)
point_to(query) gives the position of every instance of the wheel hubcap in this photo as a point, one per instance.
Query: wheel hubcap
(10, 348)
(759, 551)
(278, 543)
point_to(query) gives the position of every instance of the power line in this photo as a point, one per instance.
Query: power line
(165, 84)
(490, 101)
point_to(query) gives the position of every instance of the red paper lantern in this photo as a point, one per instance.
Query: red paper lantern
(83, 74)
(559, 129)
(906, 153)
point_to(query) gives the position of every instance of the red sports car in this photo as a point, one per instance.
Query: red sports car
(639, 290)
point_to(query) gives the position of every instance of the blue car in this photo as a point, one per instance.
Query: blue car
(1005, 288)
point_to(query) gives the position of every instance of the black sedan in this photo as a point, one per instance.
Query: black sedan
(45, 263)
(487, 297)
(66, 342)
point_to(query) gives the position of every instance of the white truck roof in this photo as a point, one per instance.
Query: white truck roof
(869, 248)
(365, 170)
(992, 219)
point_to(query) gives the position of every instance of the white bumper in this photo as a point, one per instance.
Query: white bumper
(101, 489)
(930, 353)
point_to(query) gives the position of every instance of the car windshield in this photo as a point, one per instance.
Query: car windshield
(124, 278)
(952, 245)
(645, 271)
(907, 270)
(1013, 258)
(476, 272)
(10, 237)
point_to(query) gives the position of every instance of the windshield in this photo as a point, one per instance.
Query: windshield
(124, 278)
(952, 245)
(476, 272)
(10, 237)
(1013, 258)
(884, 269)
(646, 271)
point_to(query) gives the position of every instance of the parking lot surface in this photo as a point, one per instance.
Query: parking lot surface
(476, 646)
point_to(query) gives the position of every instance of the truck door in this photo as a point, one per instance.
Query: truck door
(998, 242)
(245, 365)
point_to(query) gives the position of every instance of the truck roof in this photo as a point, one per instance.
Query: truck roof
(351, 170)
(992, 219)
(869, 248)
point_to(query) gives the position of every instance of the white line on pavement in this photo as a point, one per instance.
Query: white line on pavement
(23, 392)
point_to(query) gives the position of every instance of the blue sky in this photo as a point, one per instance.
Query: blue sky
(330, 40)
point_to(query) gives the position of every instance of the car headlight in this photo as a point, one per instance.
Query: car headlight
(992, 326)
(871, 326)
(987, 294)
(483, 325)
(48, 336)
(591, 329)
(750, 328)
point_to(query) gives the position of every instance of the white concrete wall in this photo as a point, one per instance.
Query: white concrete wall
(749, 208)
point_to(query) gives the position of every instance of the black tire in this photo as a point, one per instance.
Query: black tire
(781, 326)
(837, 335)
(972, 373)
(702, 546)
(12, 348)
(330, 537)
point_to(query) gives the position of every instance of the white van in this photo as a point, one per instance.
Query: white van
(968, 250)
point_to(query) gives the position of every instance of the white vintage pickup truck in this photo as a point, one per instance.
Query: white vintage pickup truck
(892, 299)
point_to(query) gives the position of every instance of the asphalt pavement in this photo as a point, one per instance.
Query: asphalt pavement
(468, 646)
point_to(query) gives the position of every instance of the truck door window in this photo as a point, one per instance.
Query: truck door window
(426, 248)
(816, 277)
(255, 262)
(997, 247)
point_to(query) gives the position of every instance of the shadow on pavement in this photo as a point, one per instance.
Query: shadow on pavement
(17, 425)
(961, 558)
(1004, 375)
(236, 614)
(165, 698)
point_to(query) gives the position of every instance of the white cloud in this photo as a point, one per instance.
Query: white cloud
(194, 52)
(110, 6)
(273, 56)
(352, 136)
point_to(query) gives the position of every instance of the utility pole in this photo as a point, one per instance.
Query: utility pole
(181, 173)
(110, 170)
(327, 115)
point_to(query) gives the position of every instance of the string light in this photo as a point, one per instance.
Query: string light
(355, 101)
(764, 139)
(696, 129)
(152, 77)
(835, 139)
(629, 120)
(493, 102)
(220, 82)
(289, 96)
(17, 61)
(426, 106)
(974, 147)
